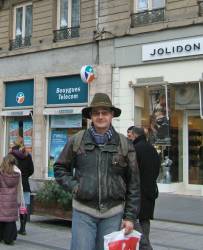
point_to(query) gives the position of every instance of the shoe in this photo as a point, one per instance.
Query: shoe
(9, 242)
(22, 232)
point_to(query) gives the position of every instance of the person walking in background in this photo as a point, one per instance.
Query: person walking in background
(11, 197)
(99, 166)
(25, 164)
(149, 166)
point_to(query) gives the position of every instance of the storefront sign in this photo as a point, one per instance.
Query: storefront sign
(66, 90)
(174, 48)
(19, 93)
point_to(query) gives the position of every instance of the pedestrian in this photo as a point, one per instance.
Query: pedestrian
(25, 164)
(11, 197)
(103, 176)
(149, 166)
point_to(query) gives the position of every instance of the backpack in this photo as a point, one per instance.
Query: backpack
(78, 138)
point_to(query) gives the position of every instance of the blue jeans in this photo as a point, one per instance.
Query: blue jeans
(88, 232)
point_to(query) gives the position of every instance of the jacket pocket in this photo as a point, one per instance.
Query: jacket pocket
(118, 165)
(86, 189)
(117, 188)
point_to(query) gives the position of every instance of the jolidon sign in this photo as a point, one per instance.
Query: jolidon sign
(173, 48)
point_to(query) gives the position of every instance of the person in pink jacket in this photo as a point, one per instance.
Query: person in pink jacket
(11, 197)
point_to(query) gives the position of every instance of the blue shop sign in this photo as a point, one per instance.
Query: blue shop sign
(66, 90)
(19, 93)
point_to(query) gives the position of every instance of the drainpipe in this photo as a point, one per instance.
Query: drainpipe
(96, 31)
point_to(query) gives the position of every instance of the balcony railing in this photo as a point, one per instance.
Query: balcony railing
(66, 33)
(20, 42)
(147, 17)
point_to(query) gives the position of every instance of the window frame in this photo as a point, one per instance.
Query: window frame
(23, 18)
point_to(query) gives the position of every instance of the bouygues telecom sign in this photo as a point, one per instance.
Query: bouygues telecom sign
(66, 90)
(173, 48)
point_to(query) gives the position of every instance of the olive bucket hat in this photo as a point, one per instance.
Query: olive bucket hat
(100, 100)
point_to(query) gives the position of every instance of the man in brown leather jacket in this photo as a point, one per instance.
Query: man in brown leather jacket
(103, 177)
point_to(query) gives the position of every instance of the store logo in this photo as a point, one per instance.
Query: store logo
(20, 97)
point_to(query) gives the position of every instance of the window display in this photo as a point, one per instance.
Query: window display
(155, 111)
(20, 127)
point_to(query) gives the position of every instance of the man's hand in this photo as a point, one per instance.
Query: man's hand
(128, 226)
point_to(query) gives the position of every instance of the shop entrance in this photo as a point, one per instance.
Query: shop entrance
(195, 149)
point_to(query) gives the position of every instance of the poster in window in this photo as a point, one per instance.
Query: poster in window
(58, 140)
(159, 118)
(27, 135)
(13, 133)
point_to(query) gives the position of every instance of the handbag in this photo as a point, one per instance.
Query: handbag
(120, 241)
(22, 210)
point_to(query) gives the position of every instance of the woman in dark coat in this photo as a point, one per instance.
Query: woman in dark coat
(149, 166)
(25, 164)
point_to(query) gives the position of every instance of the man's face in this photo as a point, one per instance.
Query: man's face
(131, 136)
(101, 117)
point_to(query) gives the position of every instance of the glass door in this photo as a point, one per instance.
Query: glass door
(195, 150)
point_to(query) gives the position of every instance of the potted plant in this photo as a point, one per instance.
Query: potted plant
(53, 200)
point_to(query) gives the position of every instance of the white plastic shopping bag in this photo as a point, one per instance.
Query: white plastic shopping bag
(119, 241)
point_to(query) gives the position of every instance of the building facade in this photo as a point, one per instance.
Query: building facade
(148, 57)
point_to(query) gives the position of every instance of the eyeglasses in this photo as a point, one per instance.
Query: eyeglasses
(102, 112)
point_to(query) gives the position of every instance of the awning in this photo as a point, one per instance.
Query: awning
(20, 112)
(63, 111)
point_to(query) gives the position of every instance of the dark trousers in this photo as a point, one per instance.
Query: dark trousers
(8, 231)
(145, 227)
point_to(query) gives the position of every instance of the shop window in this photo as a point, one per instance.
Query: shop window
(61, 128)
(195, 150)
(155, 111)
(22, 28)
(20, 128)
(68, 19)
(147, 11)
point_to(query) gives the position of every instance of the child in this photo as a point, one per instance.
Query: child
(25, 164)
(11, 197)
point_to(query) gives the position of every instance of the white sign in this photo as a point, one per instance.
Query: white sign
(62, 111)
(174, 48)
(20, 112)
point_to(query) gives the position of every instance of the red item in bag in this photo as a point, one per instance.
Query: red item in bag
(129, 244)
(119, 241)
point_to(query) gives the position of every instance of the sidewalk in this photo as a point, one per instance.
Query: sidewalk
(179, 208)
(44, 233)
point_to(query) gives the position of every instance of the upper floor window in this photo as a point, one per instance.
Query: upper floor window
(144, 5)
(147, 11)
(68, 19)
(22, 28)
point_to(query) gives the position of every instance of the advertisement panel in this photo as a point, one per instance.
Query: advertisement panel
(57, 142)
(27, 135)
